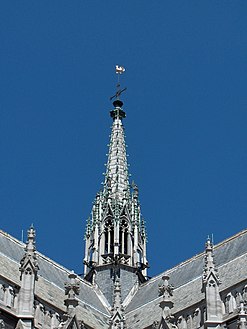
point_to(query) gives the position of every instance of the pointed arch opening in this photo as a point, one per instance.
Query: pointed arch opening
(123, 236)
(109, 236)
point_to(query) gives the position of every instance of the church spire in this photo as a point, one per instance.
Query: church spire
(116, 232)
(117, 175)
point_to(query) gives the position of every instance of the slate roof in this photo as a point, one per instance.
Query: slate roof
(50, 271)
(143, 308)
(191, 269)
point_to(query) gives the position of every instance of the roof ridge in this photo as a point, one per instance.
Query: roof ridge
(218, 245)
(11, 237)
(230, 238)
(44, 257)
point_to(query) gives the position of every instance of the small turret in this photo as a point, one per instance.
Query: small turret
(209, 265)
(29, 269)
(72, 289)
(29, 263)
(166, 291)
(210, 285)
(166, 304)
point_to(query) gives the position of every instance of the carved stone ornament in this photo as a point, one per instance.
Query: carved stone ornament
(155, 325)
(165, 289)
(72, 288)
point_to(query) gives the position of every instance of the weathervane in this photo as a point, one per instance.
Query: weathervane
(119, 70)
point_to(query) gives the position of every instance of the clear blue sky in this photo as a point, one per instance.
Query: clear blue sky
(186, 105)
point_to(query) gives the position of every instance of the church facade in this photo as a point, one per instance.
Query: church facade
(207, 291)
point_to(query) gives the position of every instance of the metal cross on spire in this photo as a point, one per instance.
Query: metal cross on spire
(119, 70)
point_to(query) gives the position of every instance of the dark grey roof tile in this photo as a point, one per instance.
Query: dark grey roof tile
(191, 269)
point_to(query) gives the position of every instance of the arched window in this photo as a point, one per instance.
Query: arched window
(109, 236)
(123, 237)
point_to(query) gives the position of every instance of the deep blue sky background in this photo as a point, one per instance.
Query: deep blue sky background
(186, 104)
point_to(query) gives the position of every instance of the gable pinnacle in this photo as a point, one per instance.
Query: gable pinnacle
(209, 266)
(29, 274)
(165, 289)
(72, 289)
(29, 262)
(210, 286)
(31, 239)
(166, 304)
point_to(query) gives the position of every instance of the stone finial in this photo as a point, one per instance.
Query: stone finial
(29, 264)
(209, 253)
(31, 234)
(166, 291)
(209, 264)
(69, 319)
(72, 289)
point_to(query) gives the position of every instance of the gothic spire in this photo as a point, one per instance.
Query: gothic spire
(115, 233)
(117, 175)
